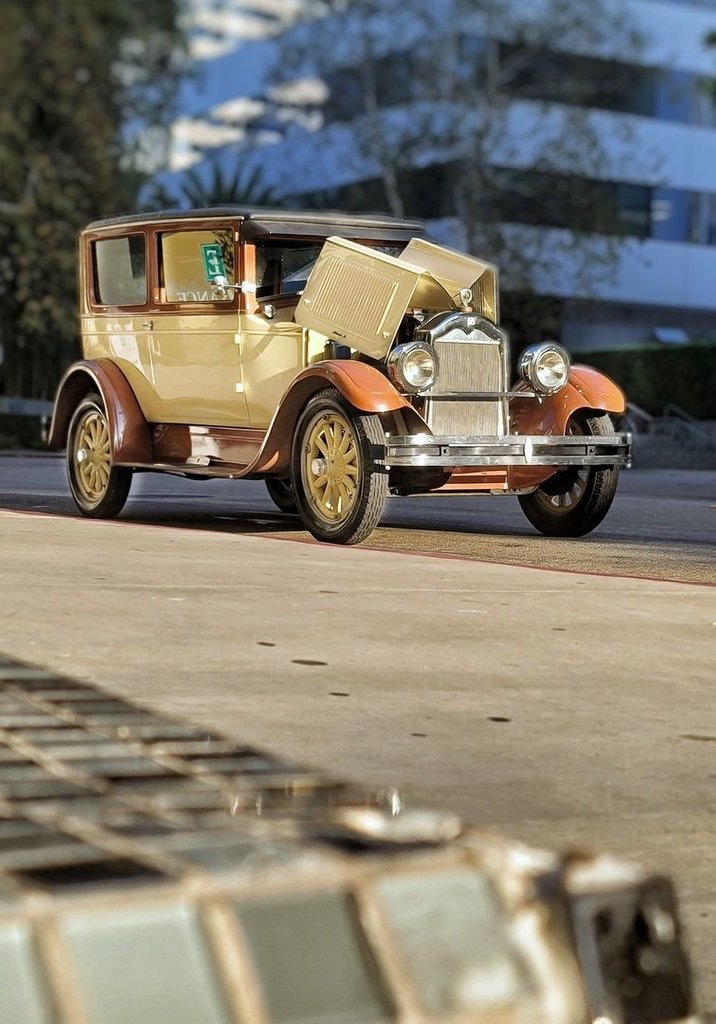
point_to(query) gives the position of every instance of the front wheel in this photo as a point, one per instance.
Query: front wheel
(99, 489)
(340, 491)
(574, 500)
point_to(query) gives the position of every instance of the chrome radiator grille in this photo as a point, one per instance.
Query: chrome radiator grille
(468, 365)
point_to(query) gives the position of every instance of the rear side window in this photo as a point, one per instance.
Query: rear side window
(120, 271)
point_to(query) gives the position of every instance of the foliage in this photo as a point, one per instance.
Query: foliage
(529, 318)
(80, 80)
(656, 377)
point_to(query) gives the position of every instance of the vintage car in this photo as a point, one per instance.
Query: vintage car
(341, 358)
(152, 872)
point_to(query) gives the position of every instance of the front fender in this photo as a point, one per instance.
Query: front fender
(130, 436)
(364, 386)
(586, 388)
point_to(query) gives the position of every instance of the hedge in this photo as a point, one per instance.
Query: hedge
(656, 377)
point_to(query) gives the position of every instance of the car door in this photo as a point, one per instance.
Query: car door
(192, 332)
(274, 348)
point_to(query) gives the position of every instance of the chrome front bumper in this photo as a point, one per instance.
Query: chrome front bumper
(420, 450)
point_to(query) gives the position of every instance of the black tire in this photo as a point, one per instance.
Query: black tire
(575, 500)
(339, 490)
(98, 488)
(280, 491)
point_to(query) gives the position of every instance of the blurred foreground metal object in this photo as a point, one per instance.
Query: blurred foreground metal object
(153, 872)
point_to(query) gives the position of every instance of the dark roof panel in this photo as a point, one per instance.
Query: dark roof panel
(264, 221)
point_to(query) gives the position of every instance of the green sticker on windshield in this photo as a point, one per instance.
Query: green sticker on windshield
(213, 261)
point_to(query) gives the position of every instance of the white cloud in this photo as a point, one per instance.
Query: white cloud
(300, 91)
(214, 30)
(238, 111)
(195, 132)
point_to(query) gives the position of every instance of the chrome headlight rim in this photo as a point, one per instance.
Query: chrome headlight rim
(400, 358)
(534, 361)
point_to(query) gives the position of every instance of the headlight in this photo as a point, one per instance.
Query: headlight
(545, 367)
(413, 367)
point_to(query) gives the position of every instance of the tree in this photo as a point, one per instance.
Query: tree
(82, 81)
(482, 112)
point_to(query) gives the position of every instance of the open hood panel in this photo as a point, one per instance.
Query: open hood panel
(358, 296)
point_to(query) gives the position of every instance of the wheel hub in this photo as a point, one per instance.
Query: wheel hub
(334, 467)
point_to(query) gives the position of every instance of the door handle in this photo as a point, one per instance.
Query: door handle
(149, 324)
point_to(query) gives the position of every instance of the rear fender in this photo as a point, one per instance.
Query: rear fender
(130, 436)
(365, 387)
(587, 389)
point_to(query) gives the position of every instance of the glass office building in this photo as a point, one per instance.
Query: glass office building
(650, 104)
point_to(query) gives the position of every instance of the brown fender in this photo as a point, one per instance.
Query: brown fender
(130, 436)
(364, 386)
(586, 388)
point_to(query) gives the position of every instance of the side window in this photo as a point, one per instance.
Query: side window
(120, 271)
(283, 268)
(188, 260)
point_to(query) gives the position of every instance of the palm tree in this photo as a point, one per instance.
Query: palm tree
(239, 186)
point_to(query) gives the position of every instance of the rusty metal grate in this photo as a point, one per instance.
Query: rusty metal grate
(95, 789)
(126, 839)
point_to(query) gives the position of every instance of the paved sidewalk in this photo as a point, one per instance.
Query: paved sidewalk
(559, 707)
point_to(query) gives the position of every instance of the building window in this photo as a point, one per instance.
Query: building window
(552, 77)
(535, 74)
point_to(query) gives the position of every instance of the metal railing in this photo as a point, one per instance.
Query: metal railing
(675, 424)
(685, 428)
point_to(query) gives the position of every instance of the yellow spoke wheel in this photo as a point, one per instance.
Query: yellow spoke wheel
(340, 489)
(92, 457)
(98, 488)
(331, 466)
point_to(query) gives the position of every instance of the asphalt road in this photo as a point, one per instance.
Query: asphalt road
(662, 524)
(560, 707)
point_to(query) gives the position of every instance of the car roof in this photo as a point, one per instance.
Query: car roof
(260, 221)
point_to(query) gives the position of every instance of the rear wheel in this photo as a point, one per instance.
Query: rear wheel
(339, 490)
(575, 500)
(99, 489)
(281, 494)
